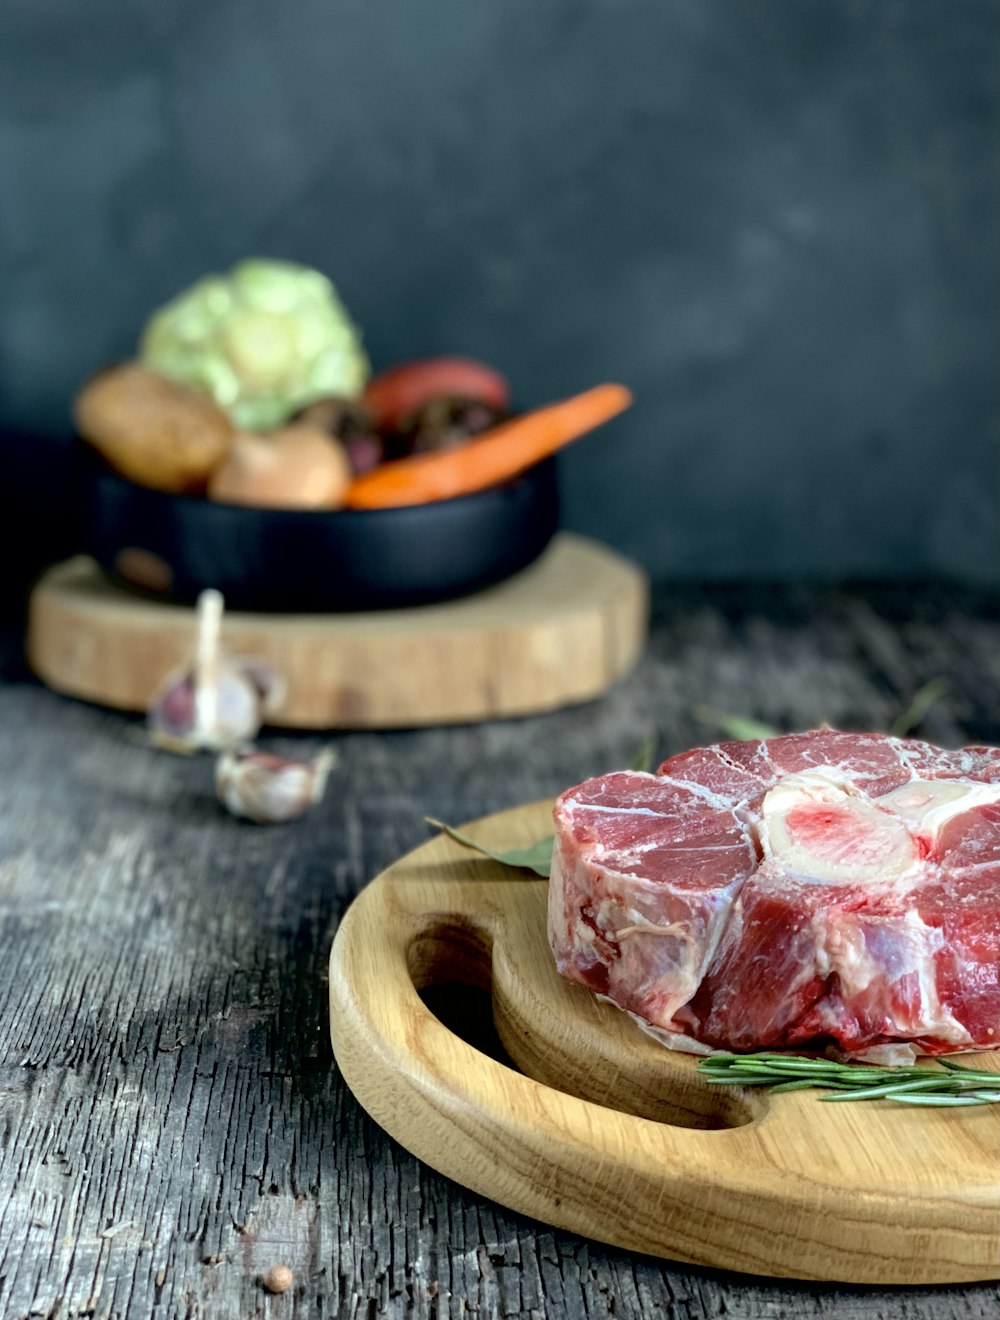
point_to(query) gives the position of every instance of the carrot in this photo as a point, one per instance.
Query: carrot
(490, 458)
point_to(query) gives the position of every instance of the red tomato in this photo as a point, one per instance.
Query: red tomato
(394, 394)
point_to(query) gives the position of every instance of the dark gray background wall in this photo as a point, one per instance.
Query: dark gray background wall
(775, 219)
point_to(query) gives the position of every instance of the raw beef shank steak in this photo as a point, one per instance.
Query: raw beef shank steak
(821, 888)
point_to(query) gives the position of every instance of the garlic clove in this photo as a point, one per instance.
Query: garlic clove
(236, 712)
(269, 789)
(171, 714)
(272, 689)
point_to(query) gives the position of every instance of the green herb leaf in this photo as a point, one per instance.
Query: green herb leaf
(948, 1086)
(923, 699)
(735, 726)
(949, 1101)
(645, 757)
(537, 858)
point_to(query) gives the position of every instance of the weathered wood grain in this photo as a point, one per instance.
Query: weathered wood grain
(171, 1120)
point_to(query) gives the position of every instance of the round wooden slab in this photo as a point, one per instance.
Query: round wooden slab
(560, 632)
(609, 1134)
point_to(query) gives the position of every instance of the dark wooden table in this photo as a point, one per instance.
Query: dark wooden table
(173, 1122)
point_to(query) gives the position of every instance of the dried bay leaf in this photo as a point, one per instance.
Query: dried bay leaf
(537, 858)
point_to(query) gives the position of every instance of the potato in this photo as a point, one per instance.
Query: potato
(151, 429)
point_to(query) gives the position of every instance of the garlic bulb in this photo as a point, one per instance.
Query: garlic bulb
(270, 789)
(217, 701)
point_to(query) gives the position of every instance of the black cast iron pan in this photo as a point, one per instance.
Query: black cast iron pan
(293, 560)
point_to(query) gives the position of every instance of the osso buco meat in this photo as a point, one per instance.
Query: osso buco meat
(819, 888)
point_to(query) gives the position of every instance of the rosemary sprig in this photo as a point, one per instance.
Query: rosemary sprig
(921, 702)
(949, 1085)
(645, 757)
(740, 727)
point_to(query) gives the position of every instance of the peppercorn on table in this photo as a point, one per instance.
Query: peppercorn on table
(178, 1141)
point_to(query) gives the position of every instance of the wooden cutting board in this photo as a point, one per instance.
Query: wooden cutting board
(559, 632)
(605, 1132)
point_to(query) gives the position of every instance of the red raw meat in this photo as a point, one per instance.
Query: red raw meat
(822, 887)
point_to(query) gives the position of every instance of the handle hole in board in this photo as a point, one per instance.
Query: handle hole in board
(451, 965)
